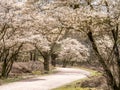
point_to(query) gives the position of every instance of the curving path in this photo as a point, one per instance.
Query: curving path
(64, 76)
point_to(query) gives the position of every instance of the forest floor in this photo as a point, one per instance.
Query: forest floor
(62, 77)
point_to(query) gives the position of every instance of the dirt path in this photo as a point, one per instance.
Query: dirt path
(64, 76)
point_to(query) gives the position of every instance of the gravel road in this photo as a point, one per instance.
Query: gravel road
(64, 76)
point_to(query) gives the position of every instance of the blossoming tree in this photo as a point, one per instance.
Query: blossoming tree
(72, 51)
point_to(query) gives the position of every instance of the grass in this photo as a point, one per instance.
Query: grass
(74, 88)
(36, 72)
(9, 80)
(74, 85)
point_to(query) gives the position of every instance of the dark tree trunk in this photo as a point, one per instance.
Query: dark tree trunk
(53, 62)
(65, 62)
(31, 56)
(53, 59)
(47, 63)
(8, 60)
(111, 80)
(6, 68)
(47, 59)
(72, 63)
(3, 73)
(34, 58)
(5, 64)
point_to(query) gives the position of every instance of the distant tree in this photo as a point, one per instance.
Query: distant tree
(72, 51)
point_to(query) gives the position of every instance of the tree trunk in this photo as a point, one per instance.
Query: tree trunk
(3, 73)
(65, 62)
(31, 56)
(5, 63)
(47, 60)
(72, 63)
(8, 60)
(53, 61)
(7, 66)
(111, 80)
(47, 63)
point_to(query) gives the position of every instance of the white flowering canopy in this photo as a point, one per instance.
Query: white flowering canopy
(26, 24)
(73, 50)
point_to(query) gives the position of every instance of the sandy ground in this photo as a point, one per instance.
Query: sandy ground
(64, 76)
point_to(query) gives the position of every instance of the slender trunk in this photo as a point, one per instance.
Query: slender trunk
(4, 66)
(117, 55)
(3, 73)
(31, 56)
(9, 67)
(34, 58)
